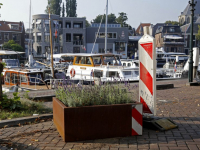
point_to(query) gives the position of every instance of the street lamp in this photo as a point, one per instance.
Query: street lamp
(190, 73)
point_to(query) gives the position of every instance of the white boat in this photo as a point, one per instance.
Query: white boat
(90, 67)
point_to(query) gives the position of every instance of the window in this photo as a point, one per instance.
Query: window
(124, 64)
(47, 49)
(110, 35)
(77, 25)
(96, 60)
(23, 78)
(101, 50)
(15, 37)
(47, 37)
(14, 78)
(38, 26)
(112, 74)
(7, 79)
(6, 36)
(76, 50)
(172, 29)
(68, 25)
(39, 50)
(39, 37)
(129, 64)
(120, 46)
(68, 37)
(15, 27)
(0, 37)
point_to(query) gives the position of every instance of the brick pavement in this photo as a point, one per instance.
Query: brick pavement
(182, 105)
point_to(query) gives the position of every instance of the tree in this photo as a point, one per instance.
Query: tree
(122, 19)
(87, 24)
(1, 70)
(54, 6)
(111, 18)
(198, 35)
(71, 6)
(172, 22)
(63, 10)
(12, 46)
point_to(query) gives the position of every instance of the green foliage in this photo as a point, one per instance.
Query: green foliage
(26, 95)
(198, 34)
(0, 4)
(122, 19)
(54, 6)
(172, 22)
(111, 18)
(11, 103)
(106, 94)
(71, 6)
(12, 46)
(63, 10)
(28, 109)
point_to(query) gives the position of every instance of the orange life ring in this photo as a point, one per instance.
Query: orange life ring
(72, 72)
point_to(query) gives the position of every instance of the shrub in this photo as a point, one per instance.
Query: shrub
(106, 94)
(11, 103)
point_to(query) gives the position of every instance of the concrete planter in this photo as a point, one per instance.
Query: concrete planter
(96, 122)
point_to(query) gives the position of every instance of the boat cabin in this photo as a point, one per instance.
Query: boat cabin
(22, 76)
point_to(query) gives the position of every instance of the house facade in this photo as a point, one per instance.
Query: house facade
(12, 31)
(117, 39)
(170, 38)
(68, 34)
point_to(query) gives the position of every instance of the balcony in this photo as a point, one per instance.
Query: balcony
(78, 42)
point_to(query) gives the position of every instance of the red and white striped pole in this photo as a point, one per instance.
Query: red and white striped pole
(147, 82)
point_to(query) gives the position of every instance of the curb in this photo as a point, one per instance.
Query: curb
(23, 120)
(164, 86)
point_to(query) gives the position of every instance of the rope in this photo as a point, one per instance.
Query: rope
(97, 33)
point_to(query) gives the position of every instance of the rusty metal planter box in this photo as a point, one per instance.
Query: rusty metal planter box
(96, 122)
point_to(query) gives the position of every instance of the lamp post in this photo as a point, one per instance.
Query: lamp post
(190, 73)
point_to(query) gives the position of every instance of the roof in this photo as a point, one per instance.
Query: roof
(4, 52)
(198, 20)
(188, 8)
(185, 28)
(142, 25)
(195, 28)
(4, 26)
(166, 29)
(87, 54)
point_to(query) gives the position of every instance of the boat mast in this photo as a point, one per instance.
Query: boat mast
(51, 46)
(29, 41)
(106, 26)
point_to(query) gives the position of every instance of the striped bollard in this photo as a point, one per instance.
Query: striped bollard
(147, 81)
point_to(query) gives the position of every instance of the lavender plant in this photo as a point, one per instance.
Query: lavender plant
(104, 94)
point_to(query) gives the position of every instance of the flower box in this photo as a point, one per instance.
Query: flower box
(98, 121)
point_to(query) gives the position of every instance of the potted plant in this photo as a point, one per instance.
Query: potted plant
(94, 112)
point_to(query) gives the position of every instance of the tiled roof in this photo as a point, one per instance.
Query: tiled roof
(4, 26)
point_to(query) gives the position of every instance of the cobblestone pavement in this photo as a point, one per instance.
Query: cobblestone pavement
(182, 105)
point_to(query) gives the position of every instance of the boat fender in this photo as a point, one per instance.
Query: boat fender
(72, 72)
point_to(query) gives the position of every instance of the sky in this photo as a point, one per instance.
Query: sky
(138, 11)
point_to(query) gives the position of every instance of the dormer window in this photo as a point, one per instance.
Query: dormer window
(172, 30)
(14, 26)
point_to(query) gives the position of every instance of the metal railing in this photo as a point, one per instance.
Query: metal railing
(19, 79)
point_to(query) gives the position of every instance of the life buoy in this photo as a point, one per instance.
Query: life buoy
(72, 72)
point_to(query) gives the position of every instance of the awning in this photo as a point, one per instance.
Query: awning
(173, 37)
(4, 52)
